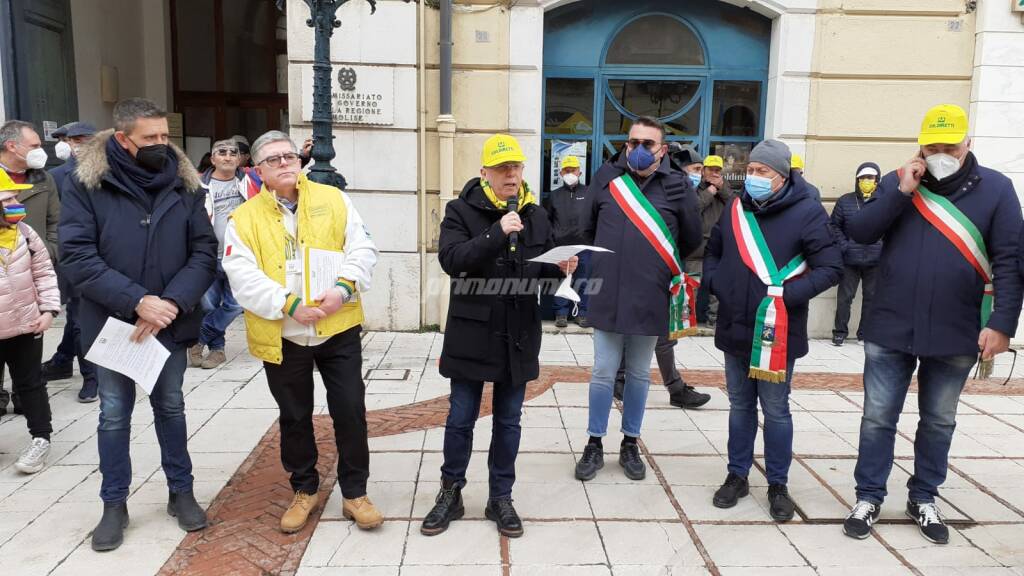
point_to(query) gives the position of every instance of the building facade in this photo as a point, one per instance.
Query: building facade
(841, 81)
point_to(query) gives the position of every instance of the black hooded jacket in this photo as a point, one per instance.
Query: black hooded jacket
(848, 205)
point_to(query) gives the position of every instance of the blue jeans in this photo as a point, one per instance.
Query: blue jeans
(463, 411)
(221, 310)
(744, 394)
(580, 283)
(609, 350)
(887, 374)
(117, 400)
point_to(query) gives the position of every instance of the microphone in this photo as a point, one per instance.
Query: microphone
(513, 238)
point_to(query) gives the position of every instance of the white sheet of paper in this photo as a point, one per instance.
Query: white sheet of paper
(322, 268)
(140, 361)
(563, 253)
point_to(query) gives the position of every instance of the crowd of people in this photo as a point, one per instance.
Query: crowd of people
(127, 228)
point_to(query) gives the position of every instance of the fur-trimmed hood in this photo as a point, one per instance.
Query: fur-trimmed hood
(93, 165)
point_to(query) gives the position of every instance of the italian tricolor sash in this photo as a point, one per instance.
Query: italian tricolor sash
(964, 235)
(771, 328)
(650, 223)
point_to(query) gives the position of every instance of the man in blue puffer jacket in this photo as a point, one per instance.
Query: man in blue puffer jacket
(951, 230)
(779, 229)
(860, 261)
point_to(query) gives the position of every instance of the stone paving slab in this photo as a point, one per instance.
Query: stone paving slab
(663, 525)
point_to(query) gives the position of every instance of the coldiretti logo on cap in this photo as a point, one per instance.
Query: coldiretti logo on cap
(943, 124)
(499, 149)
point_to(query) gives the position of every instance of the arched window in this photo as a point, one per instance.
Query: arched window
(655, 40)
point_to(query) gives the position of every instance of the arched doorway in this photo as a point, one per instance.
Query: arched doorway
(700, 66)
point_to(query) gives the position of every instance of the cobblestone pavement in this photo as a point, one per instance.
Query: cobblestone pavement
(662, 525)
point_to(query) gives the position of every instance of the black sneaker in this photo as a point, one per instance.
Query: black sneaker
(838, 340)
(447, 507)
(620, 385)
(89, 392)
(591, 461)
(781, 506)
(501, 511)
(631, 462)
(52, 371)
(734, 488)
(858, 523)
(561, 321)
(928, 519)
(686, 396)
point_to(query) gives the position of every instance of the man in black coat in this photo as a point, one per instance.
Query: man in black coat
(494, 326)
(948, 293)
(768, 256)
(860, 261)
(136, 242)
(638, 195)
(61, 365)
(568, 207)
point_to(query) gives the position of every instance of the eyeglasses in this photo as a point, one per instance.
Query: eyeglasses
(280, 159)
(508, 167)
(634, 142)
(226, 152)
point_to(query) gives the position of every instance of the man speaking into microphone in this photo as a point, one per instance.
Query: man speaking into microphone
(488, 235)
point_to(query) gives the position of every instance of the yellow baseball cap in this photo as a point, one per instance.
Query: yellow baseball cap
(7, 184)
(499, 149)
(943, 124)
(796, 162)
(714, 162)
(569, 162)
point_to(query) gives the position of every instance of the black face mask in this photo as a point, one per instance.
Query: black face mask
(151, 157)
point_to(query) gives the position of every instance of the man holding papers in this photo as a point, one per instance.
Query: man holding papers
(276, 248)
(488, 235)
(136, 242)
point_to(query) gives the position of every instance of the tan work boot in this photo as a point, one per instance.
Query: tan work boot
(363, 512)
(295, 516)
(195, 355)
(213, 359)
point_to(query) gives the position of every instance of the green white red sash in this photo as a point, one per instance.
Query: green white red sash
(771, 328)
(963, 234)
(650, 223)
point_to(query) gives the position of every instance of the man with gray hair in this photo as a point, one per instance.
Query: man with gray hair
(136, 241)
(292, 328)
(227, 186)
(23, 158)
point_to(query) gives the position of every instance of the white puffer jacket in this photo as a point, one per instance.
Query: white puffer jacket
(28, 284)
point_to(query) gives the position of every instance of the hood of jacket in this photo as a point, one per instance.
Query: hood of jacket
(856, 186)
(93, 165)
(794, 190)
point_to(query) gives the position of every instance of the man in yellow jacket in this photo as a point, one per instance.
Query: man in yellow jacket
(263, 258)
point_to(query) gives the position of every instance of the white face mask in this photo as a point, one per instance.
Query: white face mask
(62, 150)
(571, 179)
(36, 159)
(942, 165)
(565, 291)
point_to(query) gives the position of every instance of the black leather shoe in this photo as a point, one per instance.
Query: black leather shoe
(781, 506)
(447, 507)
(109, 533)
(190, 514)
(734, 488)
(501, 511)
(838, 340)
(590, 462)
(52, 371)
(631, 462)
(681, 395)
